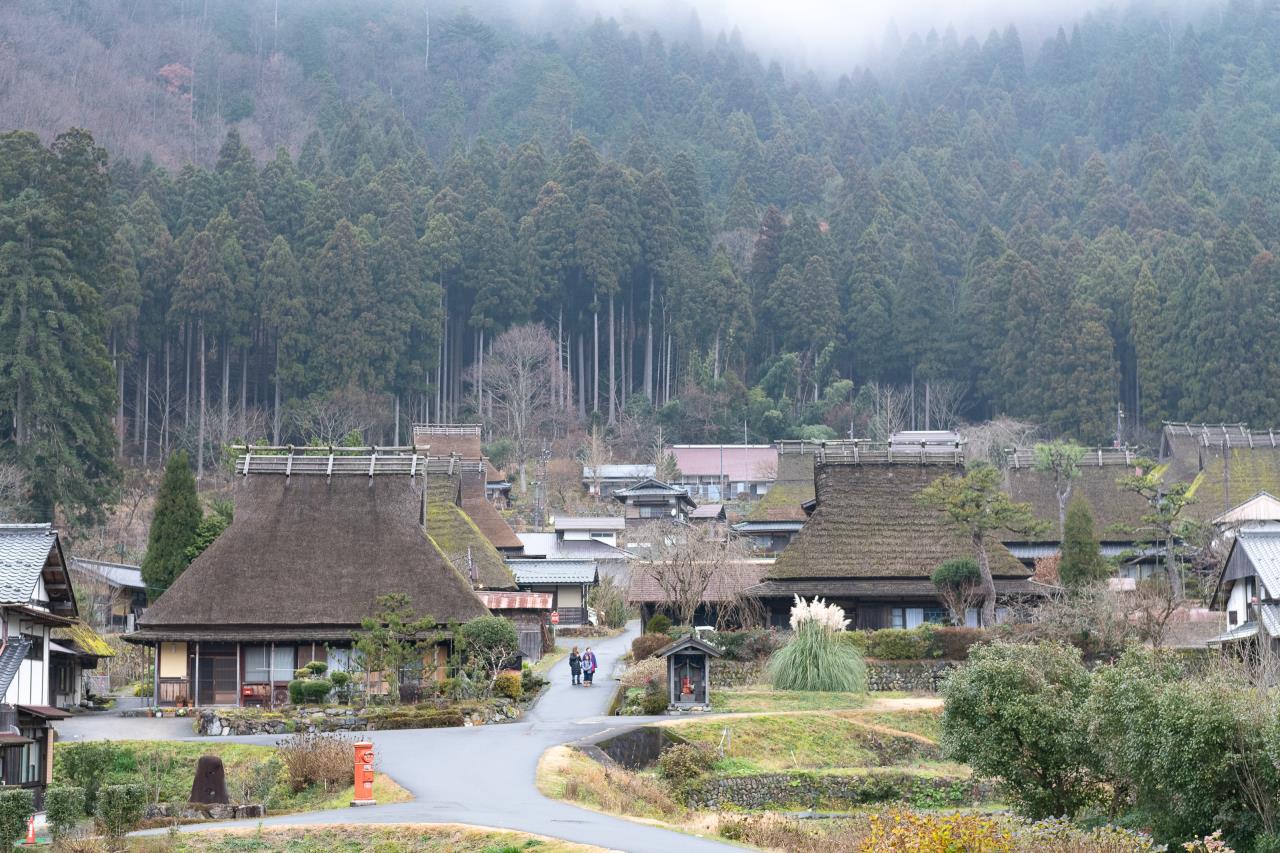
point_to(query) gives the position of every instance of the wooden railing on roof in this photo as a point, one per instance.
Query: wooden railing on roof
(289, 460)
(1252, 438)
(1098, 456)
(797, 445)
(863, 452)
(445, 429)
(1207, 429)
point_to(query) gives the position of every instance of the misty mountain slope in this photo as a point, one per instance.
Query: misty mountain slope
(316, 220)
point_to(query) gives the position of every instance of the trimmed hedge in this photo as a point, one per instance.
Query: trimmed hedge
(927, 642)
(645, 645)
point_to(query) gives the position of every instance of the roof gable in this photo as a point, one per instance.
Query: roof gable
(1261, 507)
(31, 560)
(685, 643)
(312, 550)
(649, 487)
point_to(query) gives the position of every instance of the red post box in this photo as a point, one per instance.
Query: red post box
(364, 775)
(555, 617)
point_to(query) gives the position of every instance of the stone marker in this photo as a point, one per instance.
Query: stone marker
(210, 785)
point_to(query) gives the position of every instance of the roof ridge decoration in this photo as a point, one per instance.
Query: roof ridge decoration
(1094, 456)
(860, 451)
(446, 429)
(289, 460)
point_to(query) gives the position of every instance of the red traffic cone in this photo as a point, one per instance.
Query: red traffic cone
(31, 830)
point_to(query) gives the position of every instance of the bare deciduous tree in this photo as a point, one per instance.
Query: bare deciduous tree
(946, 397)
(331, 418)
(520, 374)
(885, 408)
(13, 491)
(989, 440)
(683, 561)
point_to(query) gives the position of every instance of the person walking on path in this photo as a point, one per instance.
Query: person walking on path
(575, 665)
(588, 666)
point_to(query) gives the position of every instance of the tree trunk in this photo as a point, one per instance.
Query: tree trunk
(118, 363)
(168, 385)
(648, 346)
(396, 441)
(146, 411)
(582, 378)
(275, 405)
(186, 394)
(225, 357)
(595, 359)
(987, 585)
(480, 377)
(613, 361)
(200, 431)
(715, 367)
(244, 385)
(137, 407)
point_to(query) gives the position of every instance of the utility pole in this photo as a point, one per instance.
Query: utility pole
(1119, 425)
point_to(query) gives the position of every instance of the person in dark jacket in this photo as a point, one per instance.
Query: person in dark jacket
(575, 665)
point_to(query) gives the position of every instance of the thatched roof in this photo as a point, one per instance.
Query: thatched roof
(313, 553)
(461, 440)
(726, 583)
(1116, 513)
(454, 525)
(1231, 475)
(868, 524)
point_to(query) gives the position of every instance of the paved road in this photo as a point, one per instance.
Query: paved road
(485, 775)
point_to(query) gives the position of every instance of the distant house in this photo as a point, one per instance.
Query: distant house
(1249, 589)
(593, 540)
(315, 542)
(652, 500)
(36, 598)
(1117, 513)
(75, 652)
(778, 516)
(708, 514)
(1258, 512)
(595, 528)
(871, 548)
(464, 441)
(1224, 463)
(115, 590)
(609, 478)
(725, 472)
(567, 582)
(727, 583)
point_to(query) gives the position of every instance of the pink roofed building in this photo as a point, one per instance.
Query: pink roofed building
(718, 472)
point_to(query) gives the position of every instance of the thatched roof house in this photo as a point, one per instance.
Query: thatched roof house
(464, 530)
(728, 582)
(462, 441)
(315, 542)
(1117, 514)
(779, 514)
(870, 547)
(1224, 463)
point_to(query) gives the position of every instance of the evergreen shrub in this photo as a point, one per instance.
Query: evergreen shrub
(64, 809)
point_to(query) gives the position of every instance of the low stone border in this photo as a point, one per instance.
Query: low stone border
(221, 722)
(199, 811)
(908, 676)
(812, 790)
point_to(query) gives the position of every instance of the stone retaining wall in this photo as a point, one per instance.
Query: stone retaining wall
(199, 811)
(736, 673)
(815, 790)
(908, 676)
(241, 721)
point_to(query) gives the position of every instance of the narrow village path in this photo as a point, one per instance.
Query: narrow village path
(484, 775)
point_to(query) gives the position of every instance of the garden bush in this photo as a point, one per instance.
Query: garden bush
(120, 809)
(749, 645)
(87, 764)
(655, 699)
(955, 643)
(658, 624)
(341, 682)
(16, 807)
(316, 690)
(297, 696)
(508, 685)
(317, 667)
(684, 762)
(816, 659)
(645, 645)
(1016, 712)
(64, 809)
(324, 758)
(901, 644)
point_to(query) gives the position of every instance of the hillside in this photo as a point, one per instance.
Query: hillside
(313, 217)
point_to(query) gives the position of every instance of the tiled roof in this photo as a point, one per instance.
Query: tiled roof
(598, 522)
(10, 660)
(735, 462)
(119, 574)
(553, 571)
(726, 583)
(1263, 551)
(654, 488)
(708, 511)
(24, 550)
(620, 472)
(552, 547)
(869, 524)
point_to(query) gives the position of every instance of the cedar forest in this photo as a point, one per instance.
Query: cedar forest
(230, 221)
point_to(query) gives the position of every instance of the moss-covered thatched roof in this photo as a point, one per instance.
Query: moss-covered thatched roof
(868, 524)
(1117, 514)
(455, 532)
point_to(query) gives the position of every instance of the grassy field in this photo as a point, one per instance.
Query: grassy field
(167, 769)
(926, 723)
(767, 744)
(761, 698)
(406, 838)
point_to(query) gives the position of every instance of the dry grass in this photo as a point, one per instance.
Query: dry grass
(761, 698)
(925, 723)
(565, 773)
(639, 674)
(392, 838)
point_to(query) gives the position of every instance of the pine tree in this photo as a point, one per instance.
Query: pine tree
(284, 313)
(204, 290)
(741, 212)
(1081, 561)
(867, 318)
(56, 388)
(173, 527)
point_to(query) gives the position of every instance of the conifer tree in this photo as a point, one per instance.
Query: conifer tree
(173, 527)
(1081, 560)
